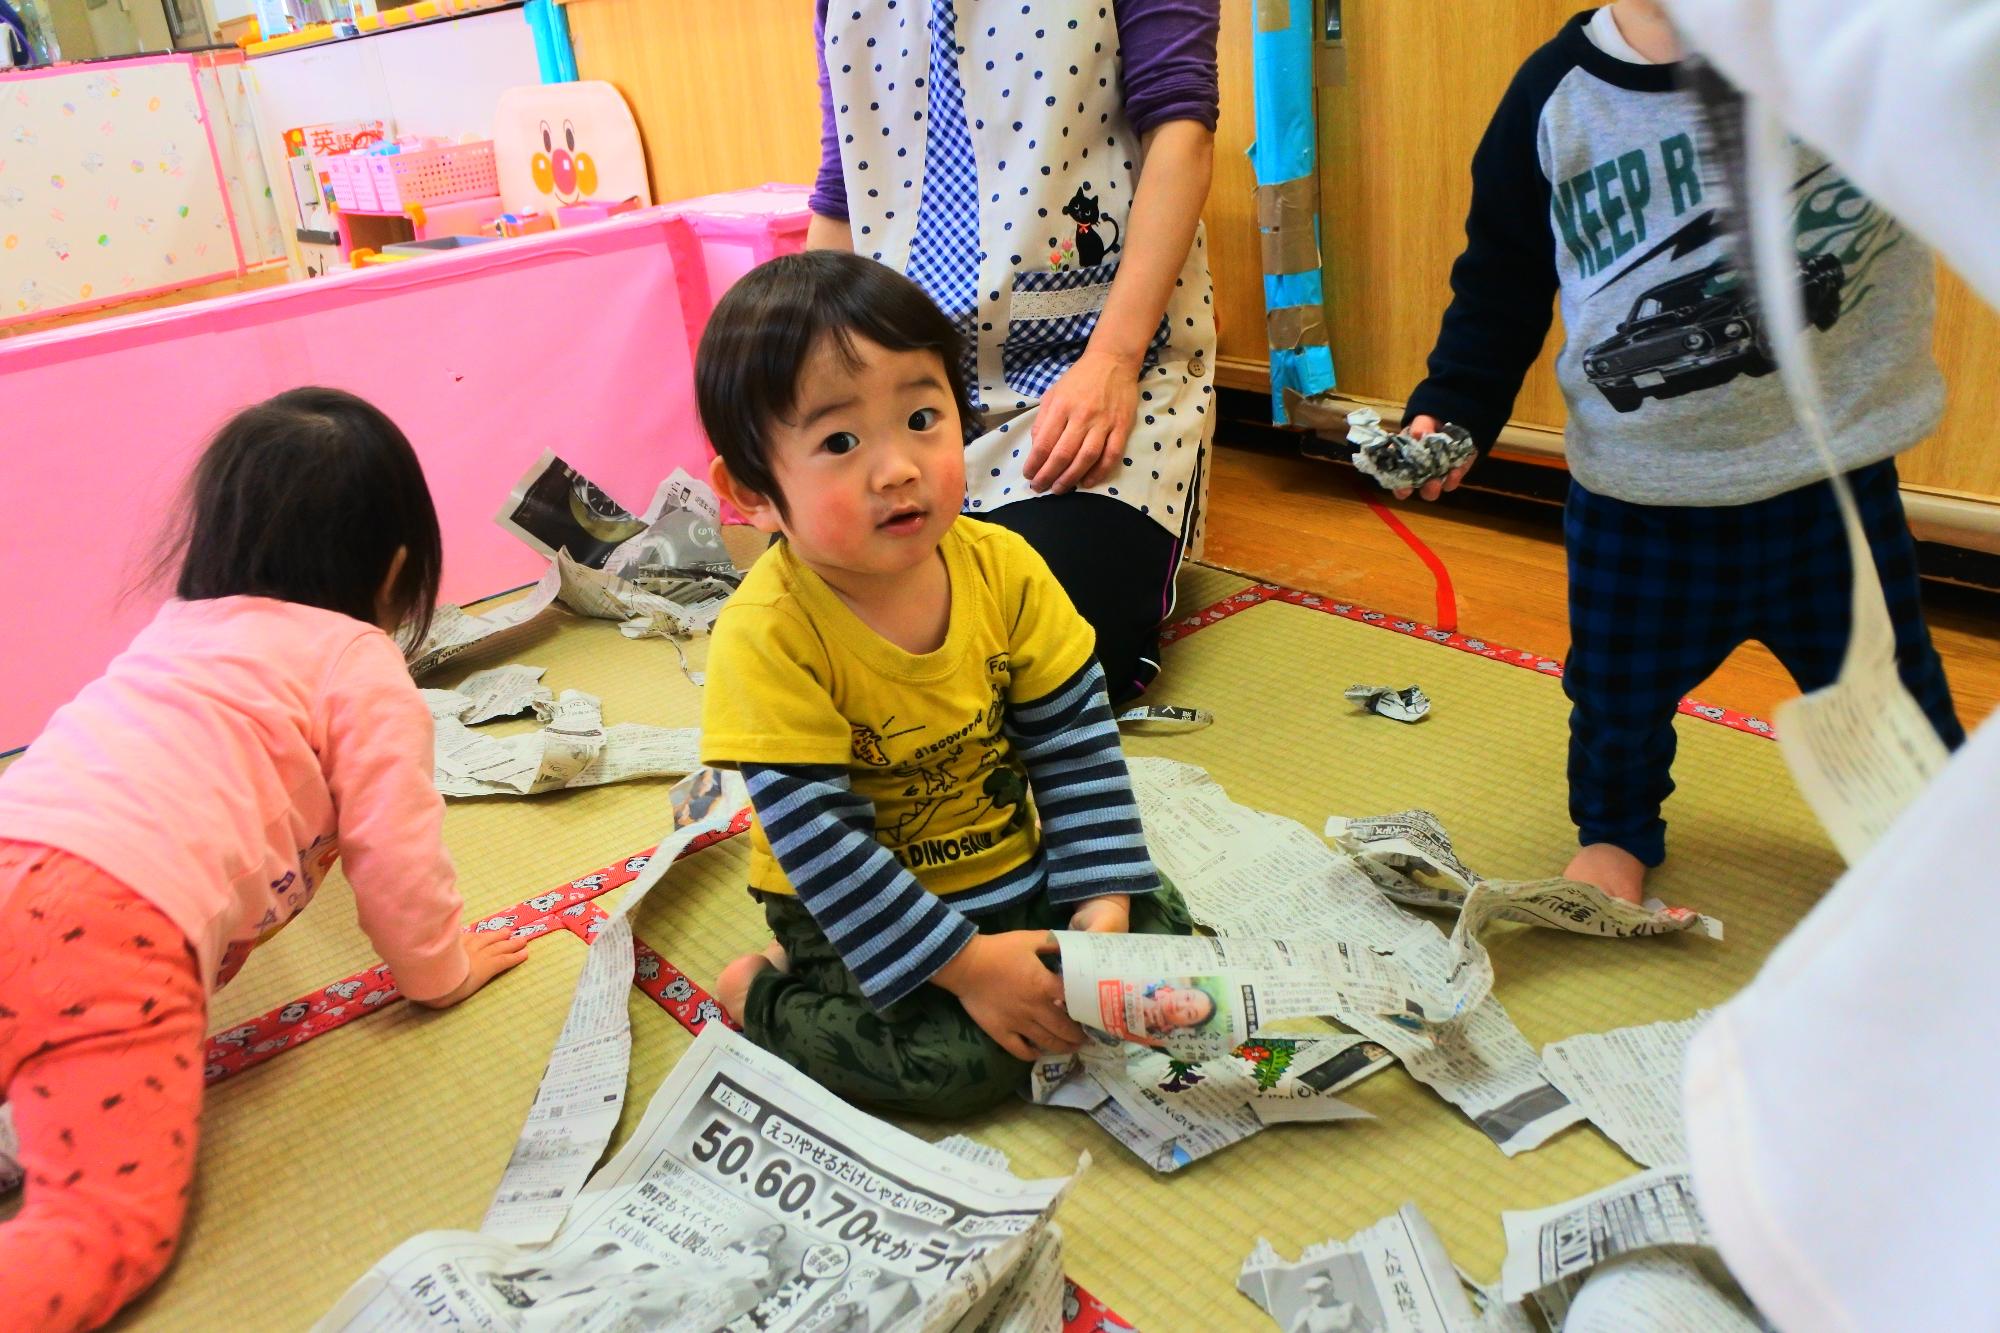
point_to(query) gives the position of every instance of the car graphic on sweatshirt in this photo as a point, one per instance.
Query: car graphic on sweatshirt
(1700, 330)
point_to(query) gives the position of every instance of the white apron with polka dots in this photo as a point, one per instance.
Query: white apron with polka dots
(1050, 145)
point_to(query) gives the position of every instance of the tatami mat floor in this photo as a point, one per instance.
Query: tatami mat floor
(320, 1161)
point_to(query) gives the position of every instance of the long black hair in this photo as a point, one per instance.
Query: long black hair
(746, 373)
(307, 497)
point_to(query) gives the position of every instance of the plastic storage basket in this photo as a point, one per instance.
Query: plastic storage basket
(390, 182)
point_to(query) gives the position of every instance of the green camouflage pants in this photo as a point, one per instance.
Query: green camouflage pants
(923, 1055)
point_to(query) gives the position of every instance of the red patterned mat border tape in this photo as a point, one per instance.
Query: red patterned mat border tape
(373, 989)
(659, 980)
(569, 907)
(1259, 594)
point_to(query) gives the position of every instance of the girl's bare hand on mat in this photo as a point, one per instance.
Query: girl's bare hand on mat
(488, 953)
(1079, 433)
(1110, 914)
(1416, 428)
(1003, 983)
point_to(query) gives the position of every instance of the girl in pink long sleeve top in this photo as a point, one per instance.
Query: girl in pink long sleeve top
(187, 805)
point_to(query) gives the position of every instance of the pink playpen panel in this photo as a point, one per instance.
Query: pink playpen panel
(574, 341)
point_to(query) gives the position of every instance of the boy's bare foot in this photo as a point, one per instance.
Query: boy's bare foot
(779, 958)
(732, 987)
(1613, 869)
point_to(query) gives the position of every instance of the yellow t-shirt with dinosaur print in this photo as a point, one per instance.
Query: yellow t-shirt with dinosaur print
(795, 677)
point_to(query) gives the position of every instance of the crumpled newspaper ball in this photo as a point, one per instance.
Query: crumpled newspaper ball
(1399, 462)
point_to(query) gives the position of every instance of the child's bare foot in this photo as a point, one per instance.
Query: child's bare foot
(779, 958)
(732, 987)
(1613, 869)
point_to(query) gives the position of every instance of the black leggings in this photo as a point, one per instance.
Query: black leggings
(1116, 564)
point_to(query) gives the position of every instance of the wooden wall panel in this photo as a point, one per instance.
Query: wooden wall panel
(726, 94)
(1396, 140)
(1961, 459)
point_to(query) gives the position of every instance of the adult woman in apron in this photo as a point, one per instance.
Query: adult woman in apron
(1039, 168)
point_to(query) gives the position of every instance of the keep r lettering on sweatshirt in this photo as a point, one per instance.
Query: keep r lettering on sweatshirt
(1592, 183)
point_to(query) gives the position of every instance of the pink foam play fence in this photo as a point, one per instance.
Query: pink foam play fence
(572, 340)
(740, 230)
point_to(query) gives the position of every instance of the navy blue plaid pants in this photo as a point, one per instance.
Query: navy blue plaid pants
(1660, 595)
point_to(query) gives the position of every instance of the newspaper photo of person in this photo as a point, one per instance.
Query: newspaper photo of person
(1154, 1012)
(1335, 1295)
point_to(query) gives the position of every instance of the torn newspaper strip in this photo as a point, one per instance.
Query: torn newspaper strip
(1394, 1277)
(582, 1091)
(1246, 873)
(575, 749)
(1029, 1300)
(1170, 1112)
(1660, 1291)
(1403, 462)
(483, 696)
(455, 631)
(1408, 704)
(1860, 749)
(747, 1199)
(1628, 1083)
(1163, 719)
(1414, 839)
(1644, 1212)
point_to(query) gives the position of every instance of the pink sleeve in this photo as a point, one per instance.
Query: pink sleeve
(378, 762)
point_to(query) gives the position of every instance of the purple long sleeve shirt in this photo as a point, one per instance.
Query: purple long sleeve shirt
(1168, 51)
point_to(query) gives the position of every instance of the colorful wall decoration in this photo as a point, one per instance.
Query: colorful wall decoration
(110, 186)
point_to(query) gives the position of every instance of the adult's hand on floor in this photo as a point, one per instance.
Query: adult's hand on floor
(1416, 428)
(1080, 430)
(1003, 983)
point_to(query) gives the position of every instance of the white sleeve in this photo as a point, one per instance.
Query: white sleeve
(1840, 1109)
(1902, 95)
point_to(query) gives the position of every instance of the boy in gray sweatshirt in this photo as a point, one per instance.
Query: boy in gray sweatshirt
(1699, 516)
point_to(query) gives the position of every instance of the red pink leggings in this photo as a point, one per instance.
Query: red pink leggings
(102, 1017)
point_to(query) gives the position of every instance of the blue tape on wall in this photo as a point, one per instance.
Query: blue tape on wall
(1285, 150)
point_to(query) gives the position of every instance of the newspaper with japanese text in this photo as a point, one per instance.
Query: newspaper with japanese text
(484, 696)
(665, 573)
(574, 749)
(1860, 749)
(749, 1200)
(578, 1102)
(1661, 1291)
(1651, 1210)
(1415, 839)
(1393, 1277)
(1171, 1112)
(1628, 1083)
(1246, 873)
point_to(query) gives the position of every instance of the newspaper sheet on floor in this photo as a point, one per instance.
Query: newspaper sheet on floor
(484, 696)
(1660, 1291)
(455, 631)
(1647, 1211)
(1394, 1277)
(577, 1105)
(662, 574)
(1248, 873)
(574, 749)
(1414, 839)
(1170, 1112)
(1628, 1083)
(748, 1199)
